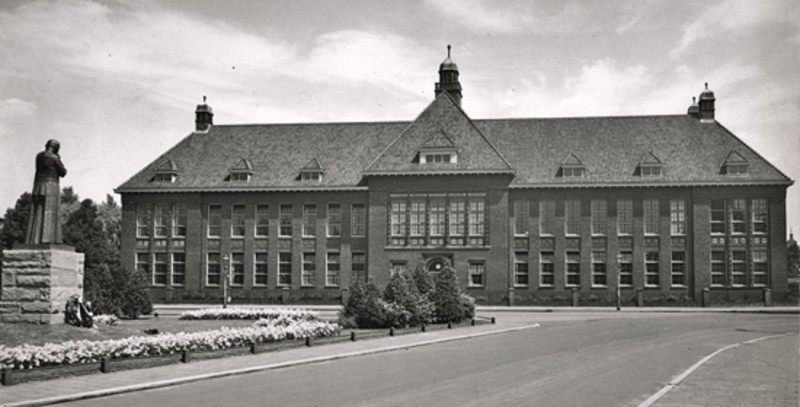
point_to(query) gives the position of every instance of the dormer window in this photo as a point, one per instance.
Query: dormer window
(241, 171)
(735, 164)
(438, 149)
(166, 171)
(310, 176)
(438, 157)
(311, 172)
(164, 177)
(240, 177)
(572, 172)
(650, 166)
(572, 167)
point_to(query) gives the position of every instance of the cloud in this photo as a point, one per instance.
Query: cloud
(480, 15)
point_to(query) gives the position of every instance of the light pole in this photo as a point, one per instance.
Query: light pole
(619, 278)
(225, 273)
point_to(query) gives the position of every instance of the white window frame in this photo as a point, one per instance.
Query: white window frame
(522, 268)
(333, 269)
(334, 220)
(549, 259)
(475, 269)
(624, 217)
(178, 268)
(259, 263)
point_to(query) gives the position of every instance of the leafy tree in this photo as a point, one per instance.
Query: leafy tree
(793, 258)
(446, 296)
(16, 222)
(422, 280)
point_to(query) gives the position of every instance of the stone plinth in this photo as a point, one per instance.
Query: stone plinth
(37, 281)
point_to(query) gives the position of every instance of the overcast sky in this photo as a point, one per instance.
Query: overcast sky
(117, 82)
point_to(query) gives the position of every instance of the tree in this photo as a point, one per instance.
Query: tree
(422, 280)
(16, 222)
(446, 296)
(793, 258)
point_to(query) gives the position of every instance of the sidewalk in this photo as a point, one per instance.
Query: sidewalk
(96, 385)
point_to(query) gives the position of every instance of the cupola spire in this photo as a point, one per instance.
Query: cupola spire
(203, 116)
(448, 79)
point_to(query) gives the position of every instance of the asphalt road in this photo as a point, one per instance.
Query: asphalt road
(570, 360)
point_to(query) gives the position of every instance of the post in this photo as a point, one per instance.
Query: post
(225, 266)
(767, 297)
(619, 280)
(7, 376)
(706, 300)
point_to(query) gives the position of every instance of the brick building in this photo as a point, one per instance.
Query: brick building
(527, 210)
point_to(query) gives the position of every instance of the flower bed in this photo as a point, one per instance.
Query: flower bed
(250, 313)
(76, 352)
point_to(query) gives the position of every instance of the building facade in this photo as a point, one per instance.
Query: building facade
(528, 211)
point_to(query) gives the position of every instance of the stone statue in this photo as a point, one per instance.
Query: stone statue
(44, 226)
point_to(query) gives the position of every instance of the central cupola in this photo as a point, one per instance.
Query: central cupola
(448, 79)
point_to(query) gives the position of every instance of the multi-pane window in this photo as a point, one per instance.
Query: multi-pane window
(214, 220)
(718, 268)
(333, 276)
(624, 217)
(417, 218)
(237, 269)
(358, 220)
(143, 263)
(651, 216)
(758, 211)
(760, 266)
(573, 269)
(678, 269)
(625, 269)
(572, 172)
(284, 268)
(309, 220)
(213, 269)
(285, 220)
(161, 221)
(737, 216)
(650, 170)
(547, 269)
(262, 220)
(521, 268)
(651, 269)
(439, 158)
(599, 275)
(160, 269)
(142, 221)
(237, 220)
(310, 176)
(521, 215)
(398, 218)
(572, 217)
(334, 220)
(476, 217)
(179, 220)
(178, 268)
(359, 266)
(261, 269)
(309, 269)
(437, 217)
(717, 216)
(599, 211)
(677, 217)
(457, 217)
(547, 217)
(738, 267)
(477, 271)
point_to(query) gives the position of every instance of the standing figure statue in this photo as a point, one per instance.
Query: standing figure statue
(44, 225)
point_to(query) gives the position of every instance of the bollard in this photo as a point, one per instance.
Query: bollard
(186, 356)
(472, 322)
(494, 321)
(449, 325)
(105, 365)
(253, 349)
(767, 297)
(7, 376)
(352, 336)
(391, 331)
(423, 327)
(510, 296)
(639, 297)
(575, 297)
(706, 299)
(308, 341)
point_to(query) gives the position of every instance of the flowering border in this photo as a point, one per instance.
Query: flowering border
(250, 313)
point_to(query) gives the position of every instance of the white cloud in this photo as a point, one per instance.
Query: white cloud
(480, 15)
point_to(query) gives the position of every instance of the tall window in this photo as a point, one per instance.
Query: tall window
(572, 217)
(547, 217)
(599, 276)
(677, 217)
(261, 269)
(179, 220)
(237, 220)
(285, 220)
(760, 266)
(417, 218)
(178, 268)
(398, 219)
(718, 268)
(477, 271)
(237, 269)
(521, 215)
(758, 210)
(599, 211)
(521, 268)
(737, 209)
(214, 220)
(625, 269)
(651, 216)
(262, 220)
(213, 269)
(678, 269)
(738, 267)
(142, 221)
(457, 217)
(717, 216)
(573, 269)
(359, 266)
(547, 273)
(334, 220)
(625, 217)
(333, 275)
(143, 263)
(309, 220)
(309, 269)
(476, 217)
(358, 220)
(160, 269)
(162, 221)
(437, 217)
(651, 269)
(284, 269)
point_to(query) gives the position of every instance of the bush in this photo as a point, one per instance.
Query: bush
(422, 280)
(467, 306)
(364, 307)
(446, 296)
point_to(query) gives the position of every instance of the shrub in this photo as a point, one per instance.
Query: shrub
(364, 307)
(422, 280)
(402, 290)
(467, 306)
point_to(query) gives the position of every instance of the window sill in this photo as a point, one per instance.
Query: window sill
(478, 287)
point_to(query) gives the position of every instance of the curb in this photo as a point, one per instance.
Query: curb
(253, 369)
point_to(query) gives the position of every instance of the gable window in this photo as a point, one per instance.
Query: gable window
(438, 158)
(650, 170)
(736, 169)
(240, 176)
(735, 164)
(311, 176)
(164, 177)
(572, 172)
(166, 171)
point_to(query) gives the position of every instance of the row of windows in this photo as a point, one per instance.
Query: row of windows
(437, 220)
(731, 216)
(476, 271)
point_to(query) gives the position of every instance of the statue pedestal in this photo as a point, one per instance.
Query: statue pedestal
(37, 281)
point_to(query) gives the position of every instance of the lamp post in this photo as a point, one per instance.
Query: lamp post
(619, 278)
(225, 273)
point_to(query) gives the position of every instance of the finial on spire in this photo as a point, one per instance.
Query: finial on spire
(448, 50)
(694, 100)
(706, 85)
(204, 99)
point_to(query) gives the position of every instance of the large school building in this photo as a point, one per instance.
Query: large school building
(527, 210)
